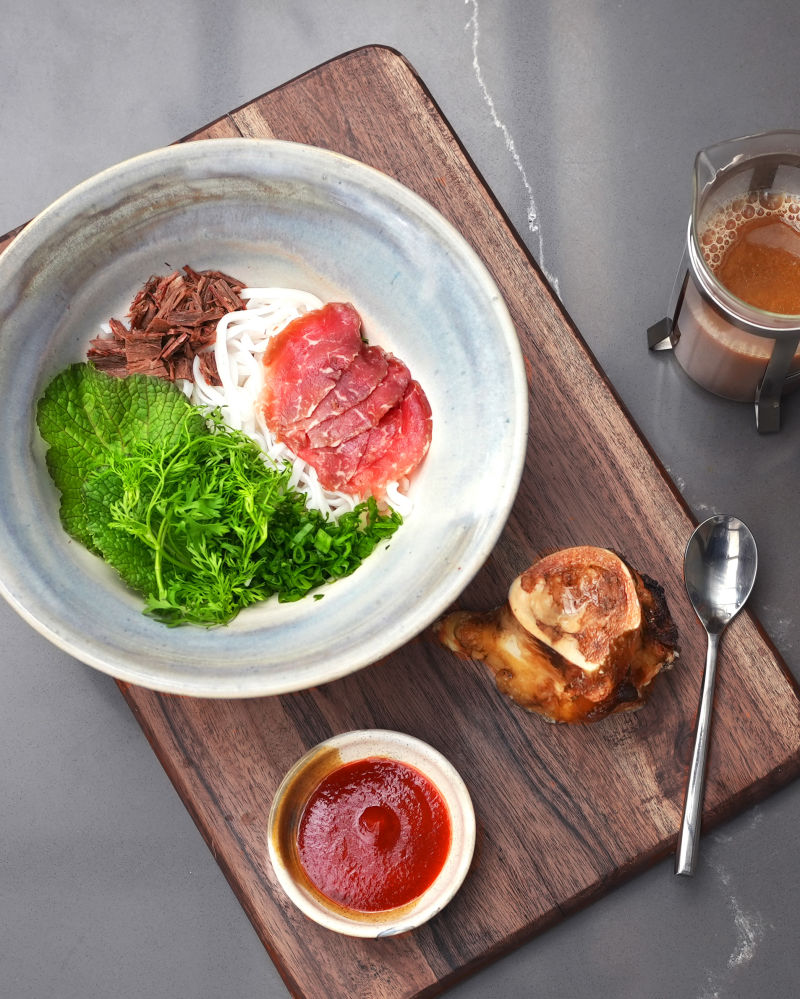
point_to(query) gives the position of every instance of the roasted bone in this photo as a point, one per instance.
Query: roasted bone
(582, 635)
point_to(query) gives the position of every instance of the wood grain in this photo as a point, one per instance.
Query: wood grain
(564, 813)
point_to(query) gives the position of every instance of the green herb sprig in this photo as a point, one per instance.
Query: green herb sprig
(184, 508)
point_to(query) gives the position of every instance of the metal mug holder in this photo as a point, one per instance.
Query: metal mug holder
(664, 335)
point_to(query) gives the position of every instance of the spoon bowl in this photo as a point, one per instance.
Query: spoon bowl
(719, 570)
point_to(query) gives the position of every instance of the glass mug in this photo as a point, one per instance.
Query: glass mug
(734, 319)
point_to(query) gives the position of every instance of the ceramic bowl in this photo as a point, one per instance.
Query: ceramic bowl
(299, 784)
(276, 213)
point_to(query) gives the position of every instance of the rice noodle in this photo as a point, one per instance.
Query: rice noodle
(241, 340)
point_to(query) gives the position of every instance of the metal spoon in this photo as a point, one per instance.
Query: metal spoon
(719, 569)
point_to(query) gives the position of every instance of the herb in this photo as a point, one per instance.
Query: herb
(186, 509)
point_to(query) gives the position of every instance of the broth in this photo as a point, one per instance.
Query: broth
(752, 246)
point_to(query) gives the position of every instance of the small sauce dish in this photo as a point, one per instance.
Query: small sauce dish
(400, 813)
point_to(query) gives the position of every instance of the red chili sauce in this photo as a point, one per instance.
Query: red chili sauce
(374, 835)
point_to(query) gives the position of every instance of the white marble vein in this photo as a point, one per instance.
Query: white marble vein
(532, 212)
(750, 928)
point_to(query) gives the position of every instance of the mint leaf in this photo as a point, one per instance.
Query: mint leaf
(85, 416)
(126, 552)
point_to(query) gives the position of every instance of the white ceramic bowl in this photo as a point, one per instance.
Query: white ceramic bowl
(299, 784)
(276, 213)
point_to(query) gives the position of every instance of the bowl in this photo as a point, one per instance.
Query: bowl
(298, 787)
(277, 213)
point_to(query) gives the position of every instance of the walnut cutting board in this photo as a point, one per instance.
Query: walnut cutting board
(563, 813)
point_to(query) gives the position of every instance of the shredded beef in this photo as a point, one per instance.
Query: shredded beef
(172, 319)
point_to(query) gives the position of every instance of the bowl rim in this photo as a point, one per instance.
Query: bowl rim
(360, 744)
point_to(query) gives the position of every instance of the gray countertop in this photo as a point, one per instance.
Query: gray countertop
(584, 117)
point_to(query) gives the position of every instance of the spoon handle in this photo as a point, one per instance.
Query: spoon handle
(686, 856)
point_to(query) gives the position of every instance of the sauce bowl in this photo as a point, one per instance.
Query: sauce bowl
(298, 787)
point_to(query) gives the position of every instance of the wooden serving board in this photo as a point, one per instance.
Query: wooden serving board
(564, 813)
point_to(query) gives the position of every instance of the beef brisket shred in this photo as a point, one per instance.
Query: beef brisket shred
(171, 320)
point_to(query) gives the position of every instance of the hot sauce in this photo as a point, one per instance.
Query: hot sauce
(374, 835)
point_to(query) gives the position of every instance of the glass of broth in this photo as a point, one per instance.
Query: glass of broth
(736, 313)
